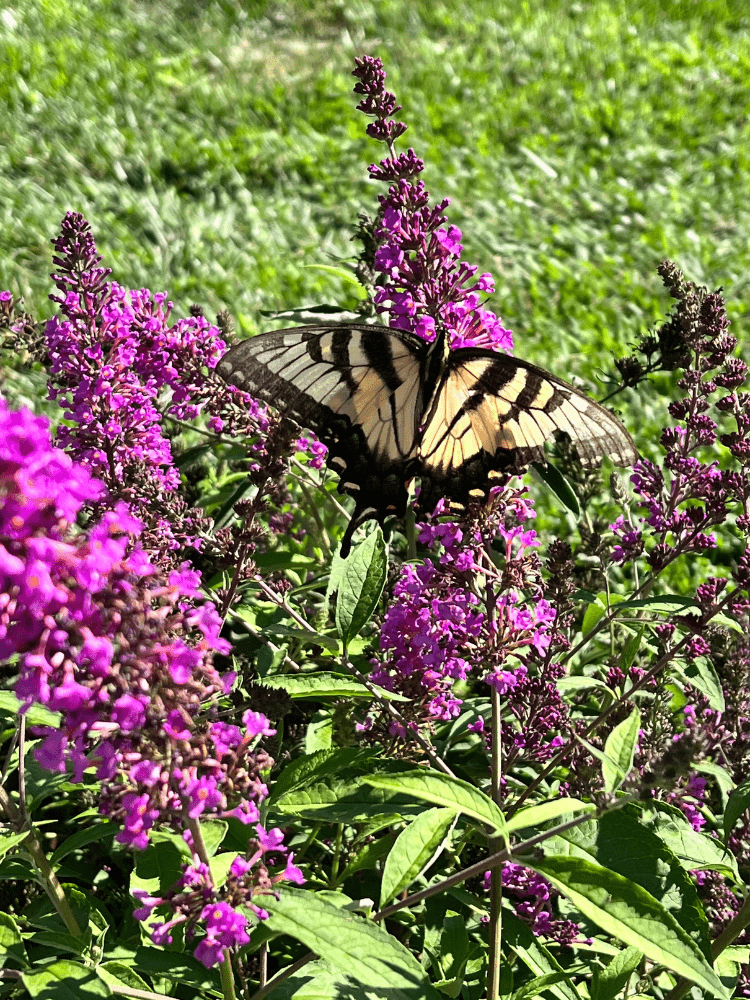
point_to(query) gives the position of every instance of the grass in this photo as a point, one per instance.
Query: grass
(217, 153)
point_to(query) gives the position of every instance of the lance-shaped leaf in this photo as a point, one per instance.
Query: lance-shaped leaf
(625, 910)
(546, 811)
(360, 585)
(355, 946)
(442, 790)
(619, 751)
(738, 802)
(415, 849)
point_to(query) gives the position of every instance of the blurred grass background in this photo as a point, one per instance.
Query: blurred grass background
(215, 149)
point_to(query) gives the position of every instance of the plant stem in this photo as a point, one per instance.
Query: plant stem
(225, 966)
(496, 874)
(20, 821)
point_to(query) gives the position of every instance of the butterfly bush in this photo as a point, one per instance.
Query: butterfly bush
(469, 612)
(422, 280)
(124, 372)
(123, 652)
(438, 631)
(481, 606)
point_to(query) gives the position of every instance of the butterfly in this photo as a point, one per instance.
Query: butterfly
(390, 406)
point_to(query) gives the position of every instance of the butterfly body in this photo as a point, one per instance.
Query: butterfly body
(390, 406)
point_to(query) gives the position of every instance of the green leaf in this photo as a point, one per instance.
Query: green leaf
(592, 616)
(722, 777)
(345, 802)
(220, 865)
(352, 944)
(701, 674)
(369, 856)
(535, 986)
(442, 790)
(729, 964)
(625, 910)
(319, 981)
(665, 604)
(64, 980)
(738, 802)
(344, 763)
(360, 585)
(177, 968)
(325, 684)
(82, 838)
(340, 272)
(319, 732)
(559, 485)
(281, 559)
(233, 496)
(546, 811)
(415, 849)
(454, 946)
(304, 636)
(11, 942)
(622, 842)
(8, 841)
(118, 974)
(214, 831)
(619, 751)
(694, 850)
(632, 646)
(37, 715)
(184, 459)
(727, 622)
(607, 983)
(159, 866)
(580, 682)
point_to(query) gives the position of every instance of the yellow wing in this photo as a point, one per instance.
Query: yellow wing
(359, 388)
(491, 415)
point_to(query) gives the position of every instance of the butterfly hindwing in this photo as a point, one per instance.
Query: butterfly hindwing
(358, 387)
(491, 415)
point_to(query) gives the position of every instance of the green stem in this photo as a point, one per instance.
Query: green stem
(496, 874)
(332, 882)
(227, 978)
(411, 534)
(225, 966)
(33, 848)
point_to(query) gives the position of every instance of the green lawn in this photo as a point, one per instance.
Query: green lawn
(218, 155)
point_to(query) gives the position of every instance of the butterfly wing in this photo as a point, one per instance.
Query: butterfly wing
(491, 415)
(358, 387)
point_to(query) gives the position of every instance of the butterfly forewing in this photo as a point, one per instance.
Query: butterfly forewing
(358, 387)
(492, 414)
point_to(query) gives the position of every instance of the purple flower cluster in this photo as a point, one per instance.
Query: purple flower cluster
(93, 625)
(119, 368)
(689, 496)
(422, 280)
(116, 360)
(122, 651)
(534, 898)
(214, 911)
(437, 631)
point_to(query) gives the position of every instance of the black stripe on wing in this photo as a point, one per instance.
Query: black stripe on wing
(358, 388)
(492, 415)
